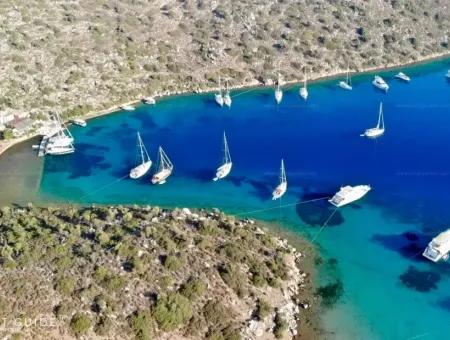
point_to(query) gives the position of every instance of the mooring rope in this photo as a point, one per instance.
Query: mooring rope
(324, 225)
(104, 187)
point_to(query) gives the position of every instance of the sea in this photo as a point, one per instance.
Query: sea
(371, 249)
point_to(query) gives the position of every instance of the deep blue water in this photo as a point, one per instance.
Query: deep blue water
(389, 291)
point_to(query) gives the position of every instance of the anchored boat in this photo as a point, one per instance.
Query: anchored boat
(379, 129)
(439, 247)
(225, 168)
(79, 122)
(227, 97)
(218, 96)
(149, 100)
(278, 92)
(145, 161)
(379, 83)
(280, 190)
(448, 74)
(347, 83)
(403, 77)
(61, 143)
(349, 194)
(165, 168)
(127, 107)
(304, 90)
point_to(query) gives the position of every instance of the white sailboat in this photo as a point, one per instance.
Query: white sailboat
(278, 92)
(403, 77)
(61, 143)
(379, 129)
(165, 168)
(380, 83)
(280, 190)
(227, 97)
(146, 162)
(347, 83)
(304, 90)
(225, 168)
(218, 96)
(349, 194)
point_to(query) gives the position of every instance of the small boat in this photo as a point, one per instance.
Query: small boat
(379, 82)
(448, 74)
(439, 247)
(35, 147)
(149, 100)
(165, 168)
(379, 129)
(403, 77)
(145, 163)
(227, 97)
(218, 96)
(225, 168)
(79, 122)
(278, 92)
(347, 83)
(304, 90)
(349, 194)
(127, 107)
(280, 190)
(59, 150)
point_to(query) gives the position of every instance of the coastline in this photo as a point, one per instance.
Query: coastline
(4, 146)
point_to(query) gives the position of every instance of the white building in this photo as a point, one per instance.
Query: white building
(6, 117)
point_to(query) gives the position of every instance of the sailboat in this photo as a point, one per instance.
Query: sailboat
(304, 90)
(278, 92)
(280, 190)
(218, 96)
(227, 97)
(146, 162)
(379, 129)
(225, 168)
(347, 83)
(61, 143)
(165, 168)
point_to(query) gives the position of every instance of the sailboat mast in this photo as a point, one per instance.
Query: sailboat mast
(140, 144)
(283, 172)
(227, 157)
(380, 114)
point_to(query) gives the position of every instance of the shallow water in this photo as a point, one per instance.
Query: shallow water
(389, 291)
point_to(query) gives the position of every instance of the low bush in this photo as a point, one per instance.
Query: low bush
(172, 311)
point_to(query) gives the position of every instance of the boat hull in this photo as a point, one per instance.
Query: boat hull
(161, 177)
(344, 85)
(341, 199)
(373, 133)
(227, 101)
(219, 99)
(279, 191)
(223, 171)
(304, 93)
(140, 170)
(278, 96)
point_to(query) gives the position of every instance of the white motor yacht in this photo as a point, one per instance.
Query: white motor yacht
(79, 122)
(439, 247)
(403, 77)
(349, 194)
(380, 83)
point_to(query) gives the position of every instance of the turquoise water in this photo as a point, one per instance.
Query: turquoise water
(375, 244)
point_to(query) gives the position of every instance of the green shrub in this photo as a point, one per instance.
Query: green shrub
(143, 325)
(216, 315)
(104, 326)
(193, 288)
(65, 285)
(172, 263)
(80, 324)
(280, 326)
(234, 279)
(264, 309)
(172, 311)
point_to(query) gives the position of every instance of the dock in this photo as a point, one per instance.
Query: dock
(42, 146)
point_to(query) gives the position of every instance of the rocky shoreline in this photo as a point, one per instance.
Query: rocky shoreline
(103, 271)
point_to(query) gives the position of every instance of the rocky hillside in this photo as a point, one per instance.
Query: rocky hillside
(146, 273)
(75, 56)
